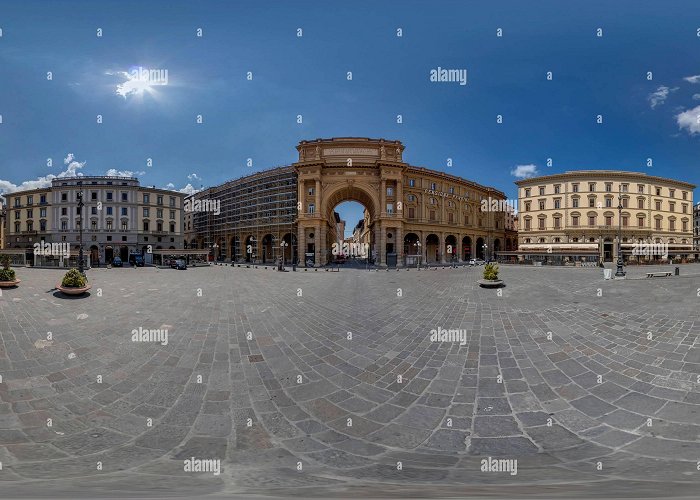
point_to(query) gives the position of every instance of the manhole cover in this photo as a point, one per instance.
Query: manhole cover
(255, 358)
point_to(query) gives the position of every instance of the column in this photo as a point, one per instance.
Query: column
(399, 199)
(460, 248)
(319, 244)
(382, 242)
(399, 245)
(301, 245)
(382, 197)
(318, 196)
(442, 248)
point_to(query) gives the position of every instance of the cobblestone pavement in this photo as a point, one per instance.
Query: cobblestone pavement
(591, 385)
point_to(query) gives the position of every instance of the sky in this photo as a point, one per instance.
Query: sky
(250, 75)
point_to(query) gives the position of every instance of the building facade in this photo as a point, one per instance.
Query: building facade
(120, 217)
(412, 214)
(696, 230)
(578, 214)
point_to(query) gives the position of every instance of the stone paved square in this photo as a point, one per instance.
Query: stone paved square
(263, 379)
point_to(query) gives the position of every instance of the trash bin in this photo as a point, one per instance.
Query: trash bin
(391, 260)
(678, 271)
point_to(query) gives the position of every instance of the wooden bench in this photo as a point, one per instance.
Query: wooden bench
(664, 274)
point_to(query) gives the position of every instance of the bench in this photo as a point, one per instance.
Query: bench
(664, 274)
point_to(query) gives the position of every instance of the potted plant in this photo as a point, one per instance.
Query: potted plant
(490, 277)
(73, 283)
(7, 275)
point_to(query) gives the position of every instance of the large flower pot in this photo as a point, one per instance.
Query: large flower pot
(490, 283)
(73, 290)
(9, 284)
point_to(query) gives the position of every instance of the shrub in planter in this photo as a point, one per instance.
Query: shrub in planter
(73, 279)
(491, 272)
(7, 275)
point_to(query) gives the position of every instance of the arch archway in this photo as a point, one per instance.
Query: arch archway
(480, 248)
(467, 248)
(268, 250)
(250, 249)
(432, 249)
(450, 248)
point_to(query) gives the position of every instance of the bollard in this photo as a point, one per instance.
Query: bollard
(678, 271)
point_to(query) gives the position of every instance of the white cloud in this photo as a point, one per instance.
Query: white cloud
(194, 177)
(72, 167)
(696, 97)
(692, 79)
(169, 185)
(188, 189)
(689, 120)
(659, 97)
(113, 172)
(524, 171)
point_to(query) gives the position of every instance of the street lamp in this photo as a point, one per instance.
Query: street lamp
(284, 246)
(420, 253)
(485, 248)
(620, 273)
(81, 269)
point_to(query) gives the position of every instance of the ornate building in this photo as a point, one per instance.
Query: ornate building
(575, 215)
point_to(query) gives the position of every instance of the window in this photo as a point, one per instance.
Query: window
(625, 220)
(557, 203)
(672, 206)
(640, 221)
(625, 188)
(412, 182)
(685, 208)
(658, 223)
(527, 206)
(159, 227)
(109, 210)
(172, 227)
(658, 204)
(541, 204)
(159, 199)
(64, 211)
(574, 188)
(64, 197)
(42, 198)
(145, 211)
(17, 227)
(591, 186)
(557, 188)
(608, 187)
(591, 220)
(432, 201)
(608, 202)
(527, 192)
(172, 201)
(125, 197)
(625, 202)
(411, 213)
(124, 211)
(312, 208)
(433, 186)
(672, 225)
(30, 226)
(145, 225)
(685, 195)
(685, 225)
(541, 223)
(541, 190)
(30, 214)
(93, 225)
(125, 226)
(389, 208)
(527, 224)
(640, 203)
(159, 213)
(658, 191)
(608, 220)
(432, 215)
(557, 222)
(172, 214)
(312, 190)
(30, 200)
(452, 190)
(93, 210)
(42, 225)
(42, 212)
(591, 202)
(146, 198)
(109, 225)
(411, 197)
(450, 218)
(390, 191)
(640, 188)
(574, 202)
(672, 193)
(109, 196)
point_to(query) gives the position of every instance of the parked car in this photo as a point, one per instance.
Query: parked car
(117, 262)
(476, 262)
(180, 264)
(136, 260)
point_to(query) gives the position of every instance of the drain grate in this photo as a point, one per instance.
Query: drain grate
(255, 358)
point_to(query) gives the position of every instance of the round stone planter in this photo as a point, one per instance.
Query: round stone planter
(73, 290)
(491, 283)
(9, 284)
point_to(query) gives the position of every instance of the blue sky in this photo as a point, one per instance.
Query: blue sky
(307, 75)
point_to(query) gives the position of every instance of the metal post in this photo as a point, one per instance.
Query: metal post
(620, 273)
(81, 269)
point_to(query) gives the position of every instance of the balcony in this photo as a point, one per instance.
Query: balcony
(29, 232)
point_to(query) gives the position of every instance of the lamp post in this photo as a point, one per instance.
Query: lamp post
(420, 253)
(284, 246)
(486, 248)
(81, 269)
(620, 273)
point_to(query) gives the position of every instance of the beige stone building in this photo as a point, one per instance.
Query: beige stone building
(576, 216)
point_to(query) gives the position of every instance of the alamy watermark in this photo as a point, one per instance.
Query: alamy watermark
(650, 250)
(453, 335)
(52, 249)
(500, 465)
(497, 205)
(152, 76)
(202, 465)
(346, 249)
(204, 205)
(141, 334)
(443, 75)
